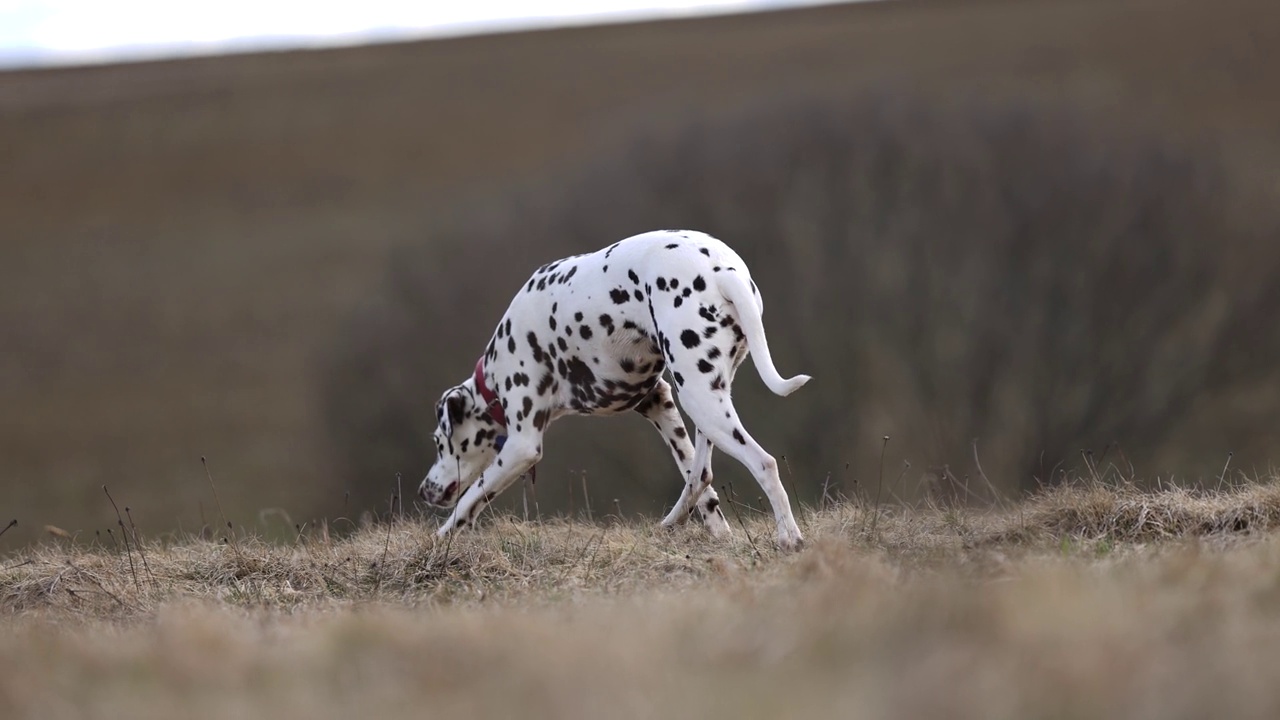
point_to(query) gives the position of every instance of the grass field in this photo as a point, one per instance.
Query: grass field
(184, 244)
(1091, 600)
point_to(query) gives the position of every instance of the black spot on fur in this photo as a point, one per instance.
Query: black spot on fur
(577, 317)
(662, 283)
(564, 346)
(679, 301)
(681, 432)
(552, 322)
(705, 367)
(606, 322)
(538, 355)
(619, 296)
(737, 435)
(580, 373)
(679, 378)
(645, 405)
(639, 295)
(699, 284)
(635, 279)
(690, 338)
(675, 283)
(628, 365)
(527, 405)
(713, 353)
(511, 345)
(705, 251)
(544, 383)
(673, 246)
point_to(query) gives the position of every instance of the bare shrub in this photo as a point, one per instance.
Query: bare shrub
(967, 275)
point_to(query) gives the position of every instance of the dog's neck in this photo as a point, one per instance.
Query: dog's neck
(488, 396)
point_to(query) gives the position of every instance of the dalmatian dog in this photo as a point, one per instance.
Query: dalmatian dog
(593, 335)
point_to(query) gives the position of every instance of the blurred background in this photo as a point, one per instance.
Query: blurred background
(1014, 236)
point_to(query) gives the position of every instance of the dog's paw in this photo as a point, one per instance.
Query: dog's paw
(790, 539)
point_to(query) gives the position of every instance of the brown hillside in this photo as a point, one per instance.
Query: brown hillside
(180, 241)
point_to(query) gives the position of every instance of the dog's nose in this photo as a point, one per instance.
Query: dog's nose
(436, 497)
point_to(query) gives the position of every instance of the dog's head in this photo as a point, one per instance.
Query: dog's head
(467, 441)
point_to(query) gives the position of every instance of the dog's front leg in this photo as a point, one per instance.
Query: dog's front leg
(517, 456)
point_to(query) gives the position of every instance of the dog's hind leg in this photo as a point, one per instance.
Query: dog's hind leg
(703, 365)
(697, 497)
(714, 414)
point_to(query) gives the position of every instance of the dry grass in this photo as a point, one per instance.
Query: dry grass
(1125, 514)
(1087, 601)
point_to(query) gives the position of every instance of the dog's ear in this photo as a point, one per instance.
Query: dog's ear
(455, 407)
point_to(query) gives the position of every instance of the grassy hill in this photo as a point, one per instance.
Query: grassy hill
(181, 242)
(1075, 604)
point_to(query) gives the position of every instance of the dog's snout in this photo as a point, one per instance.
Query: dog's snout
(434, 496)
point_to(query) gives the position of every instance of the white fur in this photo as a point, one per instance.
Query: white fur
(594, 334)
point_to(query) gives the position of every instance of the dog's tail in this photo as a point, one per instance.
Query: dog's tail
(736, 290)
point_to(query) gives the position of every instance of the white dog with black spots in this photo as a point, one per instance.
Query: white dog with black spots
(593, 335)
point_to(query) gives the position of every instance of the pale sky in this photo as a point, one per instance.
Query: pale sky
(40, 32)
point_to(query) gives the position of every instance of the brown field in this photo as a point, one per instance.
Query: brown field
(182, 242)
(1093, 600)
(1031, 240)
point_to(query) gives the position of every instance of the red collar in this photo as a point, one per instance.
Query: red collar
(490, 399)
